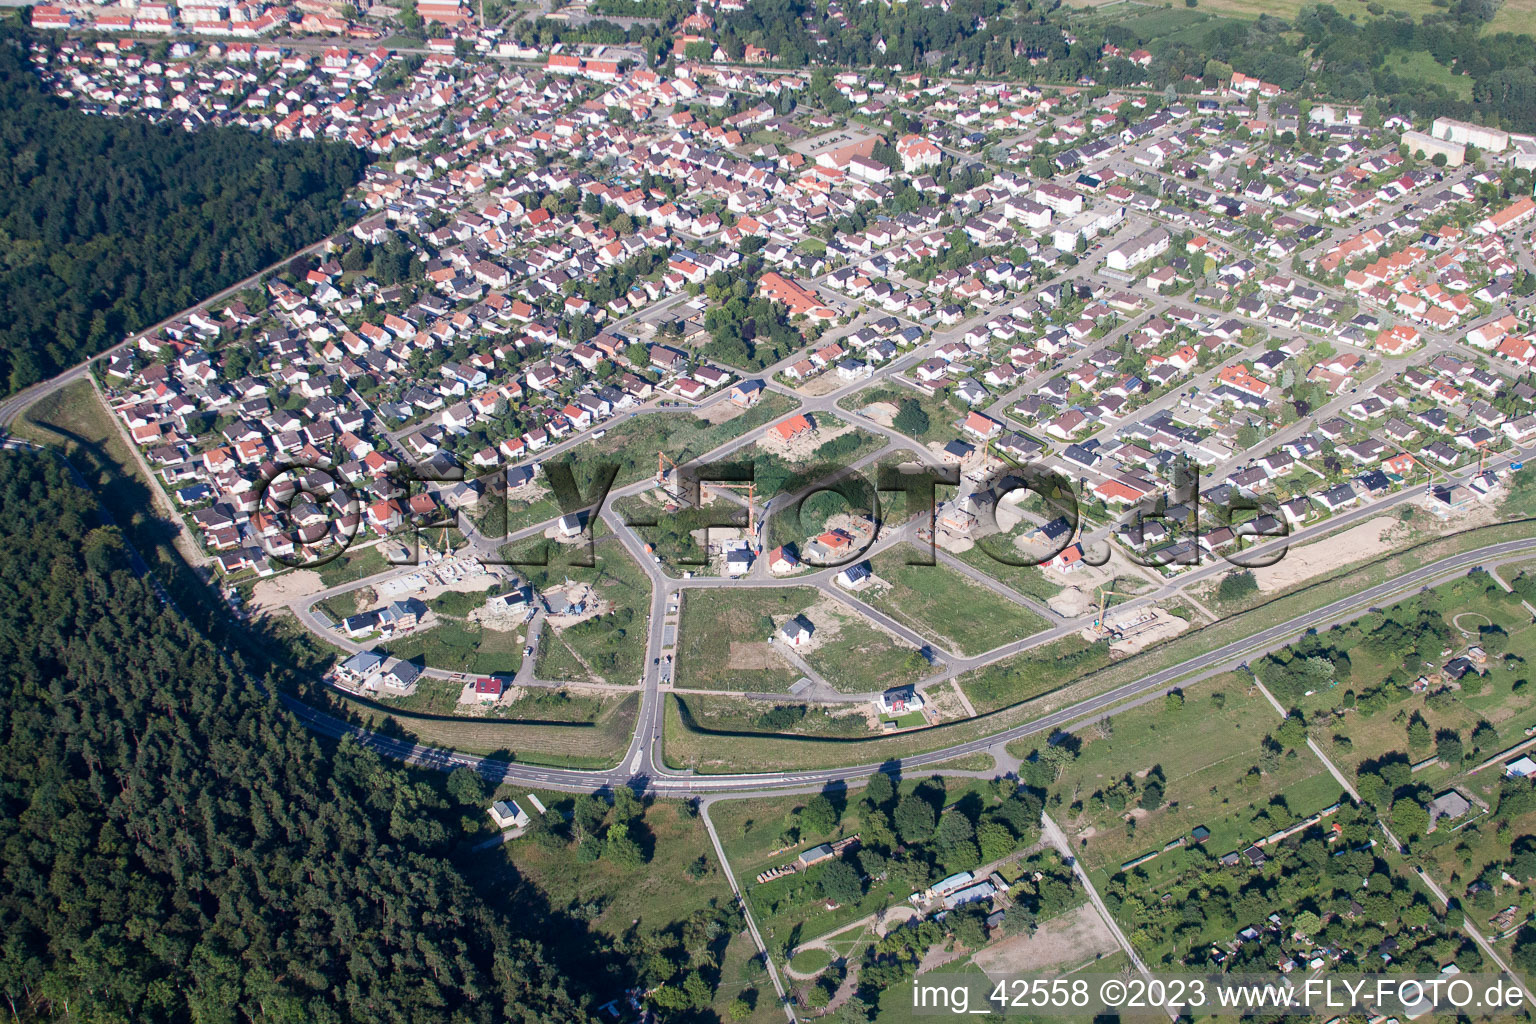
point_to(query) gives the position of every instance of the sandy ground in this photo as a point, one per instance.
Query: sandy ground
(276, 591)
(1071, 602)
(720, 412)
(1064, 941)
(1162, 626)
(800, 447)
(1367, 540)
(496, 623)
(883, 413)
(943, 704)
(754, 655)
(824, 384)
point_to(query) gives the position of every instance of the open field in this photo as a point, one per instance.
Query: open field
(978, 762)
(1024, 579)
(1061, 943)
(610, 647)
(1513, 16)
(647, 897)
(633, 443)
(935, 600)
(723, 638)
(942, 416)
(1420, 66)
(696, 742)
(743, 976)
(1149, 19)
(857, 657)
(753, 719)
(1034, 672)
(457, 646)
(598, 744)
(1208, 751)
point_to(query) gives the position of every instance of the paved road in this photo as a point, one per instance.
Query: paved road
(672, 784)
(13, 407)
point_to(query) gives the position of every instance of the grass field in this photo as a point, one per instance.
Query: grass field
(942, 416)
(698, 743)
(646, 898)
(743, 976)
(1036, 671)
(1163, 22)
(353, 564)
(1206, 751)
(751, 719)
(982, 762)
(1513, 16)
(457, 646)
(958, 613)
(723, 638)
(810, 961)
(599, 744)
(611, 647)
(633, 443)
(1419, 66)
(1024, 579)
(861, 658)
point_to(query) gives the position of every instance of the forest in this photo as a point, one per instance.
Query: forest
(983, 34)
(109, 225)
(1345, 59)
(175, 847)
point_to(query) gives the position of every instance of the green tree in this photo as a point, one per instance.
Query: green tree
(914, 819)
(819, 817)
(621, 848)
(910, 418)
(1448, 747)
(1409, 819)
(994, 840)
(840, 883)
(465, 786)
(879, 789)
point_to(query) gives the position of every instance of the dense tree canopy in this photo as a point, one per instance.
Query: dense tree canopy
(175, 847)
(108, 225)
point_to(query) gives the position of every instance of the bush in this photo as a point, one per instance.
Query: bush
(910, 419)
(1237, 585)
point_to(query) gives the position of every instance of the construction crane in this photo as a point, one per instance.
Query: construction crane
(662, 462)
(1104, 595)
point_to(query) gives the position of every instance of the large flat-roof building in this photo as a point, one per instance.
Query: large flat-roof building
(1428, 147)
(1468, 134)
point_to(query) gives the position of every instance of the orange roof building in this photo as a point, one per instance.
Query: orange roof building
(792, 427)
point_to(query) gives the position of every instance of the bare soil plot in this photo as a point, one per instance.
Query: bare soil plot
(274, 592)
(1069, 939)
(1367, 540)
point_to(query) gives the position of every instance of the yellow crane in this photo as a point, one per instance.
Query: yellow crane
(1104, 595)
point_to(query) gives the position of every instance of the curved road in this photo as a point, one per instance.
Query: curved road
(671, 784)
